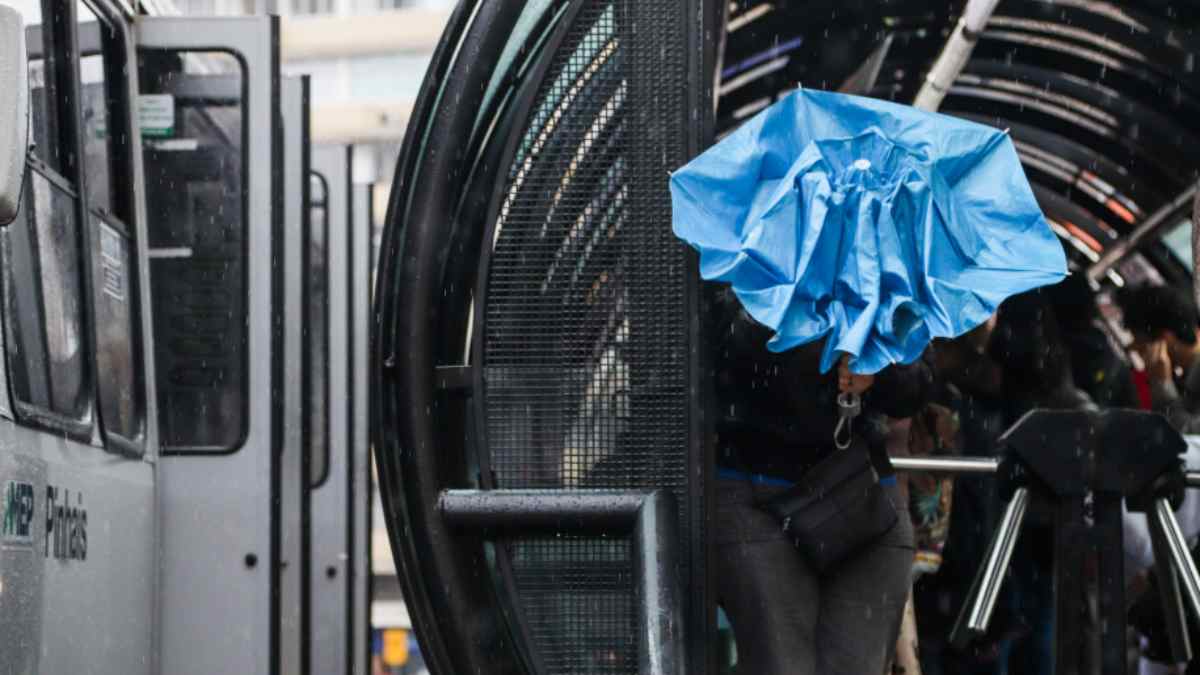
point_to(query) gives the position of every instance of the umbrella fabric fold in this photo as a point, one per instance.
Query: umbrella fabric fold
(874, 224)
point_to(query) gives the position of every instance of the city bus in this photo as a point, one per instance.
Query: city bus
(169, 374)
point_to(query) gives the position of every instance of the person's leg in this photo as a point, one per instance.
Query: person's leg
(862, 603)
(766, 589)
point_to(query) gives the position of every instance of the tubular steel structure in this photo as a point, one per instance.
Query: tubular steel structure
(538, 328)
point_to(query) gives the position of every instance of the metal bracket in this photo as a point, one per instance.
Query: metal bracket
(649, 516)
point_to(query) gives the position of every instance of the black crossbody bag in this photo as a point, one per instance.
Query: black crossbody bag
(836, 509)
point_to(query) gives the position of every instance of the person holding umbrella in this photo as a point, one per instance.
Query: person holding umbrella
(844, 234)
(777, 415)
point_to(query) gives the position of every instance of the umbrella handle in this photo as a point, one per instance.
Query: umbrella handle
(849, 406)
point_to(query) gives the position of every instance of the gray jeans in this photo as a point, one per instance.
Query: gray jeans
(786, 619)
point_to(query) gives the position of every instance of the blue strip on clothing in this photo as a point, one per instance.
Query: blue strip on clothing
(759, 479)
(756, 478)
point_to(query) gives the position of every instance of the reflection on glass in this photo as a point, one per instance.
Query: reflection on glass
(43, 130)
(42, 293)
(95, 129)
(197, 232)
(45, 106)
(93, 109)
(317, 331)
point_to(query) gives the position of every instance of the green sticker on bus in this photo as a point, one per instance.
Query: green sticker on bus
(156, 115)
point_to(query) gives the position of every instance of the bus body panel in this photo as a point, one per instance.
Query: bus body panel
(77, 555)
(328, 500)
(216, 510)
(294, 95)
(358, 629)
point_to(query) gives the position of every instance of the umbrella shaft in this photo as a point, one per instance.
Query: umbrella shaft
(955, 54)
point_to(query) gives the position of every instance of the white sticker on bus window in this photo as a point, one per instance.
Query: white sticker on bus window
(112, 264)
(156, 114)
(173, 144)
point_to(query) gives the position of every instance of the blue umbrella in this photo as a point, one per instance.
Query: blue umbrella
(873, 224)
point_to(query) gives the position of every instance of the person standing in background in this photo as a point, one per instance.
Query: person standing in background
(1164, 321)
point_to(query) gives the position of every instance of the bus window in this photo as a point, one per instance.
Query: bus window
(104, 98)
(42, 135)
(42, 275)
(316, 325)
(117, 355)
(95, 102)
(43, 268)
(44, 131)
(193, 141)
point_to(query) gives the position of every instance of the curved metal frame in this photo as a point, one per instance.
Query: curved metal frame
(434, 262)
(456, 611)
(510, 112)
(1128, 97)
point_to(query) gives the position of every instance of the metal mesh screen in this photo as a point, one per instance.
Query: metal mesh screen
(577, 605)
(585, 349)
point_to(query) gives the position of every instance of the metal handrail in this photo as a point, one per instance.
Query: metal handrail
(648, 516)
(983, 465)
(1177, 549)
(949, 464)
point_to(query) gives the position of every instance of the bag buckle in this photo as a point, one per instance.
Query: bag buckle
(849, 406)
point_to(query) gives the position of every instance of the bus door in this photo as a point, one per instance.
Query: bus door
(209, 119)
(536, 349)
(295, 102)
(359, 465)
(330, 411)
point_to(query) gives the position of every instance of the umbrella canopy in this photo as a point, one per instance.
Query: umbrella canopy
(874, 224)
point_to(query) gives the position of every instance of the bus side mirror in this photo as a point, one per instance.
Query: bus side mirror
(14, 112)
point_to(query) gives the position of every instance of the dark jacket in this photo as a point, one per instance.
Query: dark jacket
(776, 413)
(1098, 366)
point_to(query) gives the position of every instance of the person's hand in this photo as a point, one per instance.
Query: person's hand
(1158, 361)
(850, 383)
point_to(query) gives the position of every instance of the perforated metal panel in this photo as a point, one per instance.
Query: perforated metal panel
(585, 342)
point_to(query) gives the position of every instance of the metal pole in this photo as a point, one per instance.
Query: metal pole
(656, 573)
(1195, 245)
(997, 561)
(1192, 478)
(528, 511)
(1149, 227)
(949, 464)
(955, 54)
(1181, 558)
(981, 601)
(1170, 594)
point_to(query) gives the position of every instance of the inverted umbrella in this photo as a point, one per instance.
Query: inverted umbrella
(875, 225)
